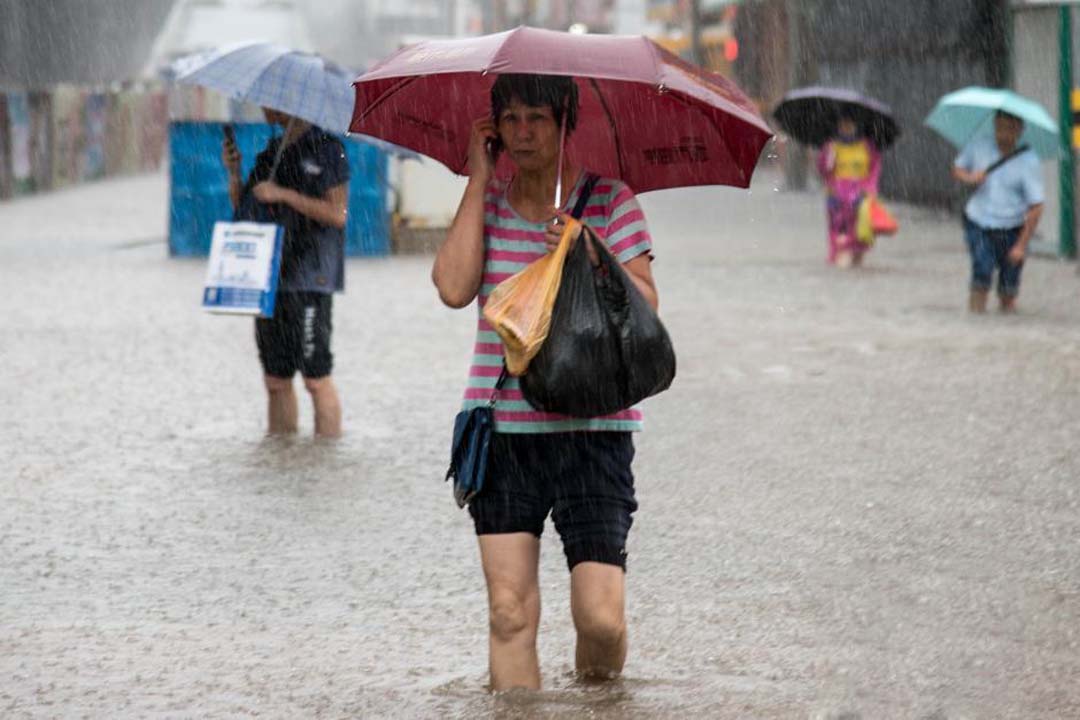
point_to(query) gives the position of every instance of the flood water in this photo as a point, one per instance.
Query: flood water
(856, 500)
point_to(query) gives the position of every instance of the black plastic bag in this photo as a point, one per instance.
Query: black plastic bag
(606, 349)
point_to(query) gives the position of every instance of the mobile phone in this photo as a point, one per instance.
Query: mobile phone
(494, 147)
(229, 132)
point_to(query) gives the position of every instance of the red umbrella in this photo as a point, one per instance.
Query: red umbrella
(647, 117)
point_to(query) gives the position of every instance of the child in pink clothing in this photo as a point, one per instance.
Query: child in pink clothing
(850, 164)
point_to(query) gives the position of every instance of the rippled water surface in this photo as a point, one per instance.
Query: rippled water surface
(856, 501)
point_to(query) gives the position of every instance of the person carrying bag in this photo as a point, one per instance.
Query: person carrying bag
(521, 314)
(514, 464)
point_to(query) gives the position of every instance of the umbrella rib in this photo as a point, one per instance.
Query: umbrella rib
(611, 122)
(389, 92)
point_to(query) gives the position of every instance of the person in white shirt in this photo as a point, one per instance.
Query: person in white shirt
(1004, 211)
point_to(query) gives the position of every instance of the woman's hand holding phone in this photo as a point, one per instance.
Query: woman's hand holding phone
(484, 146)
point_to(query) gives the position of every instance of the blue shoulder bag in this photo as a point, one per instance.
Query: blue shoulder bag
(472, 443)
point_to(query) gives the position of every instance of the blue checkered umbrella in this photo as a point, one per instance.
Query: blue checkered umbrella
(300, 84)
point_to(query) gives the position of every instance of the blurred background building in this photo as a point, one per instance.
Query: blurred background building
(905, 53)
(43, 42)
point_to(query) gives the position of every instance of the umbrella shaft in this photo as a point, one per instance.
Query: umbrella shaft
(558, 171)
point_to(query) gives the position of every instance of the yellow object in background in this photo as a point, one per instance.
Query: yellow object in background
(864, 230)
(852, 160)
(872, 220)
(519, 308)
(1076, 118)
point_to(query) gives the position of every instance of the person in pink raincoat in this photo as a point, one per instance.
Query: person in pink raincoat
(850, 164)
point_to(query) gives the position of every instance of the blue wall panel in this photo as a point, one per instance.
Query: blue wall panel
(199, 191)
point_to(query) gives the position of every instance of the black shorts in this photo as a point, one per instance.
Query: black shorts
(297, 337)
(582, 478)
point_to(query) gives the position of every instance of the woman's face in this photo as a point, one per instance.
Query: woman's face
(847, 127)
(530, 135)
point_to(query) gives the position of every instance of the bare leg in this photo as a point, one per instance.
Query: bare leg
(510, 568)
(977, 301)
(281, 405)
(324, 397)
(597, 593)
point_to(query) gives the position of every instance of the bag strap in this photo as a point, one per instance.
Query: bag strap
(498, 384)
(1002, 160)
(583, 196)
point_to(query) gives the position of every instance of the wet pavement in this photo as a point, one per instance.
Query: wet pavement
(857, 501)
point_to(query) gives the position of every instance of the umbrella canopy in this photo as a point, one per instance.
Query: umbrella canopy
(810, 115)
(963, 115)
(300, 84)
(646, 117)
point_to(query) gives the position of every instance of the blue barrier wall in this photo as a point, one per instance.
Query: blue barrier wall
(199, 190)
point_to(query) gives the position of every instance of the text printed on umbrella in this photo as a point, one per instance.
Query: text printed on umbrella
(689, 150)
(430, 128)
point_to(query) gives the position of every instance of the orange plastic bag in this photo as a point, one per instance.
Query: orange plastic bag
(519, 308)
(881, 220)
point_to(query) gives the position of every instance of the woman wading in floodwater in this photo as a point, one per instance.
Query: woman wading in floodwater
(578, 470)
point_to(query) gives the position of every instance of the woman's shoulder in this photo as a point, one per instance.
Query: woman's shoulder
(611, 191)
(497, 210)
(603, 181)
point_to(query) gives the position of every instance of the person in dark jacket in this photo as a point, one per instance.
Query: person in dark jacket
(300, 181)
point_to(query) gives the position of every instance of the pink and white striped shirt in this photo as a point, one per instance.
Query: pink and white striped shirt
(512, 242)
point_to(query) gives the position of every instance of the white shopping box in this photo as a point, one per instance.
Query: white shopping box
(242, 276)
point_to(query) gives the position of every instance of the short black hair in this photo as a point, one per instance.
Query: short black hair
(1009, 116)
(558, 92)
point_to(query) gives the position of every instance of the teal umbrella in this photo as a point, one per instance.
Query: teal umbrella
(966, 114)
